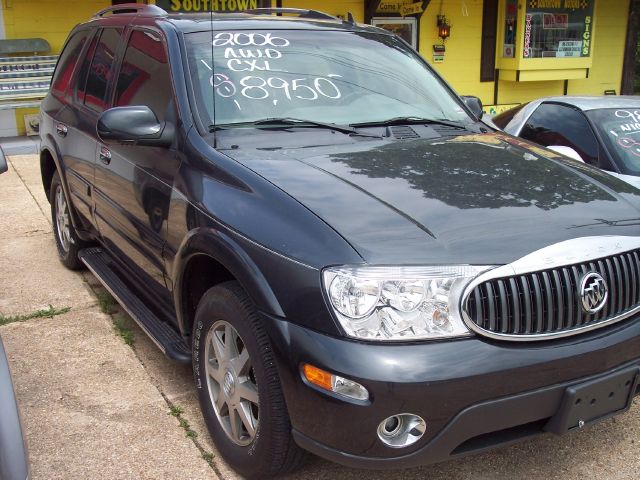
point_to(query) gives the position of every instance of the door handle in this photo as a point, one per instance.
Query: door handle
(61, 129)
(105, 155)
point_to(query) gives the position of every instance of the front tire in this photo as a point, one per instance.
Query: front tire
(238, 385)
(67, 242)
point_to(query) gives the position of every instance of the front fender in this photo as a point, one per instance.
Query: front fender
(228, 253)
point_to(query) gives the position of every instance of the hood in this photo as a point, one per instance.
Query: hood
(481, 199)
(630, 179)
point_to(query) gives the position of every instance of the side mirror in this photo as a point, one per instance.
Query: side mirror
(136, 125)
(474, 104)
(566, 151)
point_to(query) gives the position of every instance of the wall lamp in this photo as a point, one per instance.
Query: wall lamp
(444, 29)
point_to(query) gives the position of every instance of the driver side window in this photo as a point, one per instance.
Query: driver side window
(144, 77)
(553, 124)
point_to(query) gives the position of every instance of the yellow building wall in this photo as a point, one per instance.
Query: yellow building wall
(461, 65)
(48, 19)
(610, 32)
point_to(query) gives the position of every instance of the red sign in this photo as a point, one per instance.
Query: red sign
(555, 21)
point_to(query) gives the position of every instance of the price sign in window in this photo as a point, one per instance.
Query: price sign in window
(558, 29)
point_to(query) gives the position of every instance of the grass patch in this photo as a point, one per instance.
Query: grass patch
(176, 411)
(120, 324)
(44, 313)
(208, 457)
(106, 302)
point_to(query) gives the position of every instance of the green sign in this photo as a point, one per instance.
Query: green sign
(194, 6)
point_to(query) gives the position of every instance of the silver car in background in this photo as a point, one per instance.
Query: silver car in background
(13, 450)
(3, 162)
(601, 131)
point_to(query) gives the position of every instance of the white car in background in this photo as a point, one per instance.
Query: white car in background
(601, 131)
(13, 450)
(14, 464)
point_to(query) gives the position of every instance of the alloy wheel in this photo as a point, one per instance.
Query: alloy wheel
(63, 228)
(231, 383)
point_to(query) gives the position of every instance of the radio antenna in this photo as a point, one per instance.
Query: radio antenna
(213, 78)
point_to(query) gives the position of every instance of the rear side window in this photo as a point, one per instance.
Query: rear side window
(67, 62)
(502, 119)
(144, 77)
(97, 77)
(553, 124)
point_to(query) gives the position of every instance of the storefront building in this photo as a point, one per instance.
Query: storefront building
(504, 51)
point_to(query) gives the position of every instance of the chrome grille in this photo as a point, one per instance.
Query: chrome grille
(548, 302)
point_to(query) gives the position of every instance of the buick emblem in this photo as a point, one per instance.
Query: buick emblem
(593, 292)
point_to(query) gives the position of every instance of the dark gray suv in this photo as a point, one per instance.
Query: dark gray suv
(353, 262)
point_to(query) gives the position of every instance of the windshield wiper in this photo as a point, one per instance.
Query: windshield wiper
(298, 122)
(412, 121)
(293, 122)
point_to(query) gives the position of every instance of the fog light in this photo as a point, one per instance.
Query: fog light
(401, 430)
(334, 383)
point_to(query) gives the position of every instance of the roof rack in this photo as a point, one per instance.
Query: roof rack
(301, 12)
(137, 8)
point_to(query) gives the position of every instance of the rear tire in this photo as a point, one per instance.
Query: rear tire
(67, 241)
(238, 385)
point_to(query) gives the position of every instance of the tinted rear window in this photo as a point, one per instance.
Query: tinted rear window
(144, 77)
(100, 70)
(502, 119)
(67, 62)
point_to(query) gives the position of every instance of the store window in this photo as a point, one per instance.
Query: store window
(510, 21)
(405, 28)
(557, 28)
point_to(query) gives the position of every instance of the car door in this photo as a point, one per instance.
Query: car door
(133, 184)
(76, 125)
(557, 124)
(59, 124)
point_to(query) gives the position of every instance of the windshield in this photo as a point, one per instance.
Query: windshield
(620, 131)
(325, 76)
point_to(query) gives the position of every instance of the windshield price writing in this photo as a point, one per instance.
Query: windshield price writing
(632, 117)
(257, 55)
(258, 88)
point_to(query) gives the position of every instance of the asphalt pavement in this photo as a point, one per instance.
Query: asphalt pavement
(95, 407)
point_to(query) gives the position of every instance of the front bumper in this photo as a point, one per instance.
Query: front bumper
(474, 394)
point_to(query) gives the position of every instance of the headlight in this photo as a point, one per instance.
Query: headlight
(399, 303)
